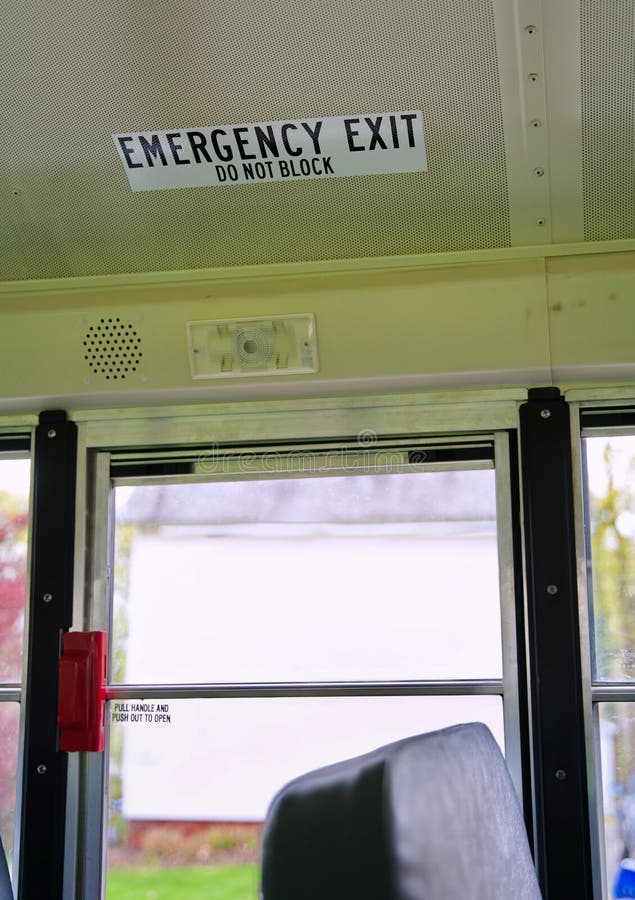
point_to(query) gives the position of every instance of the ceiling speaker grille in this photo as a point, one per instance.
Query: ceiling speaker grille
(608, 118)
(79, 72)
(112, 348)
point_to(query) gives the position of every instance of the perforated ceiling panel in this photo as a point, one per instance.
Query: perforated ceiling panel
(608, 118)
(71, 74)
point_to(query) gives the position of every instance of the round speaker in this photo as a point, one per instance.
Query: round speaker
(112, 348)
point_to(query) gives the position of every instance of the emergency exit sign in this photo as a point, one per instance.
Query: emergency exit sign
(292, 150)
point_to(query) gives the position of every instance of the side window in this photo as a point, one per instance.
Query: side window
(610, 502)
(14, 513)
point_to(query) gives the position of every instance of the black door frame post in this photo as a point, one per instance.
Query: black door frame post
(563, 843)
(41, 860)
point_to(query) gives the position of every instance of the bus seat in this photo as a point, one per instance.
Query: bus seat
(432, 817)
(6, 891)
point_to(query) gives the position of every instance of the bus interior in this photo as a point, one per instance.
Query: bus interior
(317, 421)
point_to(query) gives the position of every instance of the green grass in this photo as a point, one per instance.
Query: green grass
(196, 883)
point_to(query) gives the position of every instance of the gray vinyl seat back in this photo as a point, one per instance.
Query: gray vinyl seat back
(432, 817)
(6, 891)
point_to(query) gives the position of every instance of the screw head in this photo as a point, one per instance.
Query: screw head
(552, 589)
(47, 598)
(533, 77)
(536, 123)
(545, 413)
(52, 433)
(541, 222)
(539, 172)
(561, 775)
(41, 769)
(530, 29)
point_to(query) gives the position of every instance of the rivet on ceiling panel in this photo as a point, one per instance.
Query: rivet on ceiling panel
(523, 85)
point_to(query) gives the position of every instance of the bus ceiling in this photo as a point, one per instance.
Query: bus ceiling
(443, 191)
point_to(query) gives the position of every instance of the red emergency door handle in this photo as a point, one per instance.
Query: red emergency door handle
(82, 691)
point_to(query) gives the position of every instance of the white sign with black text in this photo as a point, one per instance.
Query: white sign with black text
(293, 150)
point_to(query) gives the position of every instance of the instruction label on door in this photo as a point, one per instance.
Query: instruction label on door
(135, 712)
(293, 150)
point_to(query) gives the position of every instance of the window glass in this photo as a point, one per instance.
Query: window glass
(610, 476)
(190, 780)
(14, 511)
(14, 499)
(9, 729)
(611, 499)
(388, 576)
(356, 578)
(617, 750)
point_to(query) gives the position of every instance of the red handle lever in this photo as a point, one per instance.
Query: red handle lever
(82, 690)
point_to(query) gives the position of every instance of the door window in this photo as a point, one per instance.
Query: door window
(267, 623)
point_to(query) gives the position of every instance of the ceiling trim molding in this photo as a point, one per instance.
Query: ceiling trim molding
(335, 266)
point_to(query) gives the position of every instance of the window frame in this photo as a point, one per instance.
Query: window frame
(590, 419)
(390, 421)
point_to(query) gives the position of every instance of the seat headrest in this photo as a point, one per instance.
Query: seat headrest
(432, 816)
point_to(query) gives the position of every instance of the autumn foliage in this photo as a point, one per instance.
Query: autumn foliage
(13, 532)
(13, 524)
